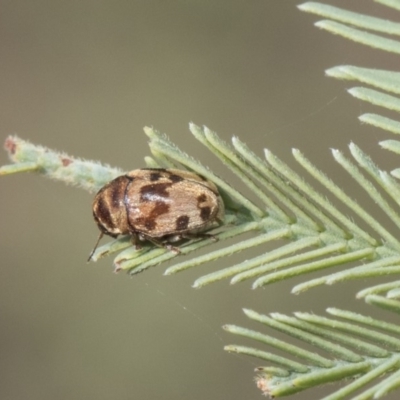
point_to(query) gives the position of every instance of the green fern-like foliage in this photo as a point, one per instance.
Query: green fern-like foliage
(359, 347)
(310, 232)
(313, 234)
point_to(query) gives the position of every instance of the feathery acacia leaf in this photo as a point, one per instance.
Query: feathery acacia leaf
(384, 80)
(360, 347)
(314, 235)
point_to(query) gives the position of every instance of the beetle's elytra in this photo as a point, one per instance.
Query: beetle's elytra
(158, 205)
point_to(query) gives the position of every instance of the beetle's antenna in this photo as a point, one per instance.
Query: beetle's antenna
(95, 247)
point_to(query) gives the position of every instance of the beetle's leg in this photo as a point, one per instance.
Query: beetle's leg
(166, 245)
(135, 240)
(169, 247)
(200, 235)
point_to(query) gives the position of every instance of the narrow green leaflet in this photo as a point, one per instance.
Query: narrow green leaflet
(360, 347)
(343, 22)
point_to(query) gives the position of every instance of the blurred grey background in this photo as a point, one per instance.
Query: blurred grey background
(85, 77)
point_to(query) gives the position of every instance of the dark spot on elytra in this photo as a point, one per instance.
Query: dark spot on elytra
(155, 176)
(175, 178)
(202, 198)
(205, 213)
(182, 222)
(159, 208)
(154, 192)
(150, 224)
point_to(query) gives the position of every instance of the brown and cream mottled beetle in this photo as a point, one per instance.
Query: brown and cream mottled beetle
(159, 205)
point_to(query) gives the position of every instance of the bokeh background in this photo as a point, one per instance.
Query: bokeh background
(85, 77)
